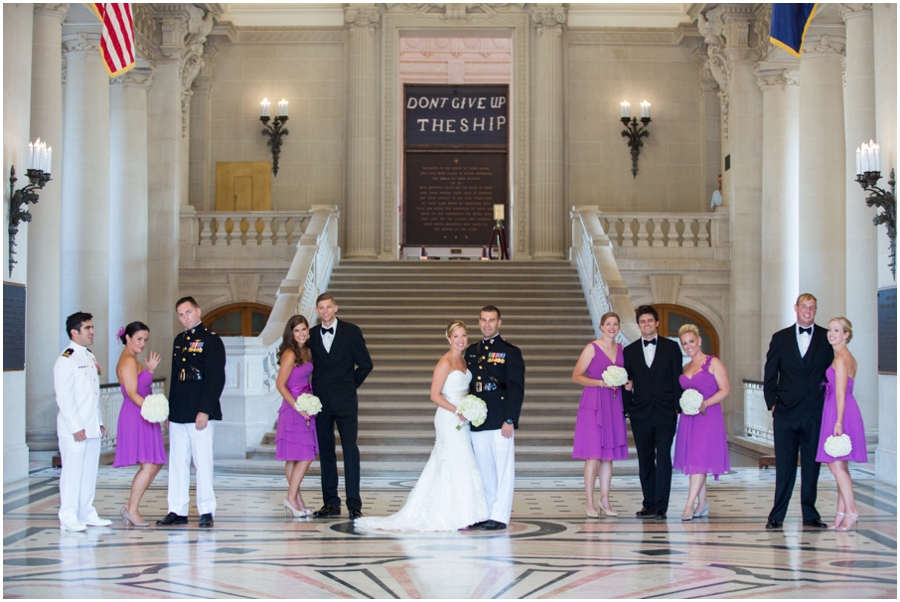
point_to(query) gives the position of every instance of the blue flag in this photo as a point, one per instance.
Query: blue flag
(789, 23)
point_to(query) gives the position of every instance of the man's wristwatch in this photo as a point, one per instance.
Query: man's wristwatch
(509, 421)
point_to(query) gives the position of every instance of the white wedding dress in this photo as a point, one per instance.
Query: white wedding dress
(449, 494)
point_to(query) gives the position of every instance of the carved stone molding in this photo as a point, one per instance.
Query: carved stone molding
(136, 77)
(850, 11)
(623, 36)
(549, 17)
(81, 42)
(769, 75)
(357, 17)
(54, 10)
(762, 27)
(824, 46)
(144, 28)
(266, 35)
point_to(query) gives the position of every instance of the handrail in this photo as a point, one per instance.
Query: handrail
(604, 288)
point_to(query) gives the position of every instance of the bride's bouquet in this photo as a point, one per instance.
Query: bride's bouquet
(690, 402)
(155, 408)
(615, 376)
(838, 447)
(472, 409)
(308, 403)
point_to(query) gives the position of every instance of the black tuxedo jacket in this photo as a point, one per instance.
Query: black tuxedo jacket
(793, 384)
(337, 374)
(656, 389)
(498, 363)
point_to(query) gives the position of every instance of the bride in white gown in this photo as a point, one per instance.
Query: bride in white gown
(449, 494)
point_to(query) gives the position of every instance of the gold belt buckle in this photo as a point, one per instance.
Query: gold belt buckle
(478, 387)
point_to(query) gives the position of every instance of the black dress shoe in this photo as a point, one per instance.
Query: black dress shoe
(815, 523)
(172, 519)
(646, 513)
(660, 516)
(327, 510)
(477, 525)
(773, 524)
(492, 525)
(355, 514)
(206, 520)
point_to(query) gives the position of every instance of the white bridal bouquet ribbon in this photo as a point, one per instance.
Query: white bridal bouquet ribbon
(155, 408)
(615, 376)
(308, 403)
(838, 447)
(472, 409)
(690, 402)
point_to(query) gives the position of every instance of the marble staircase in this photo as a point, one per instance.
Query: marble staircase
(403, 308)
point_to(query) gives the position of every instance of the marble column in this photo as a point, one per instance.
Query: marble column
(780, 196)
(17, 52)
(128, 207)
(361, 223)
(885, 38)
(861, 235)
(43, 321)
(823, 175)
(548, 130)
(85, 191)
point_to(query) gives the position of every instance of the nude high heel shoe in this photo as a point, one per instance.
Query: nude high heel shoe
(126, 518)
(854, 518)
(838, 519)
(703, 512)
(289, 510)
(606, 511)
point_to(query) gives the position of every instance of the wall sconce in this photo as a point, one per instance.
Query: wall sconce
(634, 132)
(868, 172)
(39, 159)
(274, 131)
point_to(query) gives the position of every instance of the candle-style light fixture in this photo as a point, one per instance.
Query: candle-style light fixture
(275, 131)
(39, 160)
(868, 172)
(634, 131)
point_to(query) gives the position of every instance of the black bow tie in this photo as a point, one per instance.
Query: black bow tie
(806, 330)
(328, 330)
(652, 342)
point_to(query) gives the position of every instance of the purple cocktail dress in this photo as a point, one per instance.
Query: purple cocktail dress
(701, 446)
(600, 432)
(294, 441)
(852, 422)
(136, 439)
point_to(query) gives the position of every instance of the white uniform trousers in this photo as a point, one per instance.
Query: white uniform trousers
(185, 443)
(78, 480)
(496, 457)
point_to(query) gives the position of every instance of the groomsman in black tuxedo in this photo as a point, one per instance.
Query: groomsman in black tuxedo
(795, 370)
(651, 399)
(341, 363)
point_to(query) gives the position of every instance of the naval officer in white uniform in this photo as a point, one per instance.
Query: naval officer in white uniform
(79, 426)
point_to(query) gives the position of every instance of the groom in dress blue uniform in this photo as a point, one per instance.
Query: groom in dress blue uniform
(498, 377)
(795, 369)
(341, 363)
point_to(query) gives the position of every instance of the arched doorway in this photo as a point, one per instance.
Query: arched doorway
(238, 319)
(672, 317)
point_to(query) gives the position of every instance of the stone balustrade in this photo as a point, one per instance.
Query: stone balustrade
(663, 229)
(757, 417)
(248, 228)
(111, 400)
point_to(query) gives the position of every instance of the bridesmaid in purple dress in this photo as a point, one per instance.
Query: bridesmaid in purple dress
(600, 435)
(137, 441)
(701, 445)
(841, 416)
(295, 436)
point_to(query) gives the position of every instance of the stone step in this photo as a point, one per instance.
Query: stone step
(561, 304)
(536, 400)
(424, 435)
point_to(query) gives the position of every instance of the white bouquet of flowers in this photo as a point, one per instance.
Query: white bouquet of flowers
(838, 447)
(155, 408)
(690, 402)
(615, 376)
(472, 409)
(308, 403)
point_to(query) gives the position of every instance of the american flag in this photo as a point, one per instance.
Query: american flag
(117, 40)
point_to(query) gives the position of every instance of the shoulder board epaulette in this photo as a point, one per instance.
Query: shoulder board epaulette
(68, 352)
(211, 332)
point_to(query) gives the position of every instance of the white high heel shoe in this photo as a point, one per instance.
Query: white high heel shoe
(703, 512)
(289, 510)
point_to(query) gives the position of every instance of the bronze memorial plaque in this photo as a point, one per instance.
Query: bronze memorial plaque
(450, 197)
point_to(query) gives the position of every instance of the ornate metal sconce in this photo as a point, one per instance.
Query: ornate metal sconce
(634, 131)
(275, 131)
(887, 202)
(18, 204)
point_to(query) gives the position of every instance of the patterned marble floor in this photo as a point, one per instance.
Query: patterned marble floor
(549, 551)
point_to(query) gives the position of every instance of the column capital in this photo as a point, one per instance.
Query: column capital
(849, 11)
(53, 10)
(362, 17)
(776, 75)
(138, 77)
(81, 42)
(549, 17)
(824, 46)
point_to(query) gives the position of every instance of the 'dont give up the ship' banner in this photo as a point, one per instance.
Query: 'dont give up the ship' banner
(457, 115)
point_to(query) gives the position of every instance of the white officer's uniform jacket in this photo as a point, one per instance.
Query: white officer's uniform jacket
(76, 379)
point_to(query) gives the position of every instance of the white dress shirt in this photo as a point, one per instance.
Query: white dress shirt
(803, 340)
(650, 351)
(76, 379)
(328, 337)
